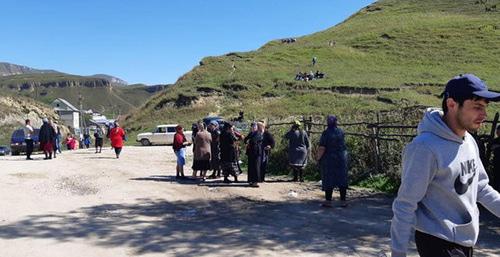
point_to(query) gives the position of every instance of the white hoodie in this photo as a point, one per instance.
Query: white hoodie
(442, 181)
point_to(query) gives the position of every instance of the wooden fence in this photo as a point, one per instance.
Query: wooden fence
(378, 131)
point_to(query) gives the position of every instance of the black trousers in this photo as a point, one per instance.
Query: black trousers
(118, 150)
(29, 147)
(263, 169)
(431, 246)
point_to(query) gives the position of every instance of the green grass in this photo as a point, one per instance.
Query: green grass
(413, 47)
(403, 43)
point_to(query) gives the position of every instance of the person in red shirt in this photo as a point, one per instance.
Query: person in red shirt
(179, 146)
(117, 135)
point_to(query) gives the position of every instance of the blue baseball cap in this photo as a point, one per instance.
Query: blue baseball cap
(469, 84)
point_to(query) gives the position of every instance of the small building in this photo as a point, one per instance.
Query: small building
(69, 114)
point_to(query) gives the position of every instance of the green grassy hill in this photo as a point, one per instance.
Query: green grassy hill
(389, 54)
(97, 93)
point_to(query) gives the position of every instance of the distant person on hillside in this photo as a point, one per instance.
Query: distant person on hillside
(314, 60)
(47, 137)
(202, 151)
(228, 152)
(28, 138)
(442, 177)
(298, 149)
(179, 146)
(117, 135)
(98, 135)
(332, 158)
(233, 67)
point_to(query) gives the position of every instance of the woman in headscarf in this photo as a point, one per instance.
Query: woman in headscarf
(213, 128)
(202, 151)
(254, 153)
(116, 135)
(47, 136)
(179, 146)
(229, 152)
(332, 157)
(298, 148)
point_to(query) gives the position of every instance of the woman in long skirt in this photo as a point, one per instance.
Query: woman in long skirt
(332, 157)
(202, 151)
(255, 154)
(298, 149)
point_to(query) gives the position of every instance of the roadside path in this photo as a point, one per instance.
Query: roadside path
(85, 204)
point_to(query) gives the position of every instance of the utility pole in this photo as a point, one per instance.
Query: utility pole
(80, 104)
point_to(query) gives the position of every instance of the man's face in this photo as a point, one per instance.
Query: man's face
(472, 114)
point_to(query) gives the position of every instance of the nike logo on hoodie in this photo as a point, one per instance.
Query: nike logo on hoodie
(468, 170)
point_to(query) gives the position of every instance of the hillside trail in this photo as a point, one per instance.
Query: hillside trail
(86, 204)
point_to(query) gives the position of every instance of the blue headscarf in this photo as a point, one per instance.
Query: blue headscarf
(331, 121)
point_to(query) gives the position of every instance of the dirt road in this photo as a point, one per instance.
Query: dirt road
(85, 204)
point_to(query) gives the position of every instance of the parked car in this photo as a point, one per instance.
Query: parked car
(17, 144)
(162, 135)
(4, 150)
(209, 119)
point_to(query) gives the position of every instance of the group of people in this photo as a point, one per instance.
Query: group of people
(217, 148)
(442, 178)
(308, 76)
(288, 40)
(50, 139)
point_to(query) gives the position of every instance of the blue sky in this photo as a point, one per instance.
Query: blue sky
(152, 41)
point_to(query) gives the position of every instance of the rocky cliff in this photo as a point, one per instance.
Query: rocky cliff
(30, 85)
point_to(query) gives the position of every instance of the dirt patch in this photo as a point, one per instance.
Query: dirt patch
(97, 205)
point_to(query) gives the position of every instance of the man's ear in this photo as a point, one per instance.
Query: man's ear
(451, 104)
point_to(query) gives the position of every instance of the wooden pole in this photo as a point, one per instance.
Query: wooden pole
(376, 131)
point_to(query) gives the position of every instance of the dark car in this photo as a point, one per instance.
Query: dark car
(209, 119)
(4, 150)
(17, 144)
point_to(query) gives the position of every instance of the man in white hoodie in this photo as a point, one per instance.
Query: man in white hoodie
(443, 177)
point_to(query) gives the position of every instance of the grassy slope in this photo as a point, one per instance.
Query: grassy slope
(386, 45)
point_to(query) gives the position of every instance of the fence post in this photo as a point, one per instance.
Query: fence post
(375, 131)
(309, 126)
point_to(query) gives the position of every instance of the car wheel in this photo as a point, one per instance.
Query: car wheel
(145, 142)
